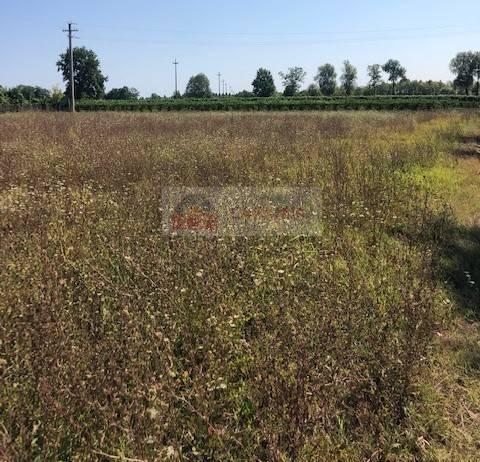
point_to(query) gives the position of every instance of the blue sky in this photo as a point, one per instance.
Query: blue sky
(136, 41)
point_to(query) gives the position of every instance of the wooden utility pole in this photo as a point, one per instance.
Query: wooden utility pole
(176, 82)
(219, 75)
(70, 51)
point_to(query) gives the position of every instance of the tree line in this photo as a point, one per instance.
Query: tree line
(384, 79)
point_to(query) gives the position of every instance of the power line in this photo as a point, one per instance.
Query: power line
(70, 50)
(283, 33)
(283, 43)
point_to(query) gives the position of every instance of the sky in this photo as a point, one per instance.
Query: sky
(137, 41)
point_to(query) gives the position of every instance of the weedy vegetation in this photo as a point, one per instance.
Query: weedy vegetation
(119, 342)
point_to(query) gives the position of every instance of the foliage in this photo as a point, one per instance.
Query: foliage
(245, 94)
(476, 71)
(375, 75)
(465, 66)
(3, 95)
(198, 87)
(313, 90)
(16, 96)
(56, 97)
(286, 104)
(410, 88)
(28, 93)
(124, 93)
(263, 85)
(292, 80)
(327, 79)
(25, 96)
(395, 72)
(348, 77)
(89, 82)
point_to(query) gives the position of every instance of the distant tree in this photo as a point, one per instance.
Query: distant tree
(245, 94)
(395, 72)
(124, 93)
(155, 96)
(198, 87)
(263, 84)
(464, 66)
(33, 94)
(26, 94)
(16, 97)
(292, 80)
(375, 73)
(327, 79)
(3, 95)
(349, 77)
(476, 72)
(89, 81)
(313, 90)
(176, 94)
(56, 97)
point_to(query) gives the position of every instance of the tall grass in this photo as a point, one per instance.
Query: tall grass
(117, 340)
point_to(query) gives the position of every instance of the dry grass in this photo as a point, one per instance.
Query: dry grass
(118, 342)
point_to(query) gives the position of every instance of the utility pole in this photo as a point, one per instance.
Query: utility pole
(176, 86)
(70, 51)
(219, 75)
(223, 87)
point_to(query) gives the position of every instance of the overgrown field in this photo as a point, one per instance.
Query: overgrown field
(285, 104)
(120, 342)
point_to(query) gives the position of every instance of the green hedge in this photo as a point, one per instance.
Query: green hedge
(284, 104)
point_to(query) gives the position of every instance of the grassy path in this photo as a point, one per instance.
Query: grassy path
(453, 401)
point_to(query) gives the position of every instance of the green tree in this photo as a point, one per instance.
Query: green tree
(313, 90)
(245, 94)
(56, 97)
(292, 80)
(16, 97)
(198, 87)
(88, 79)
(375, 74)
(3, 95)
(395, 72)
(327, 79)
(124, 93)
(263, 84)
(463, 65)
(349, 77)
(26, 94)
(476, 71)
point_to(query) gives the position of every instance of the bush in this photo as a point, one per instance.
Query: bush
(282, 103)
